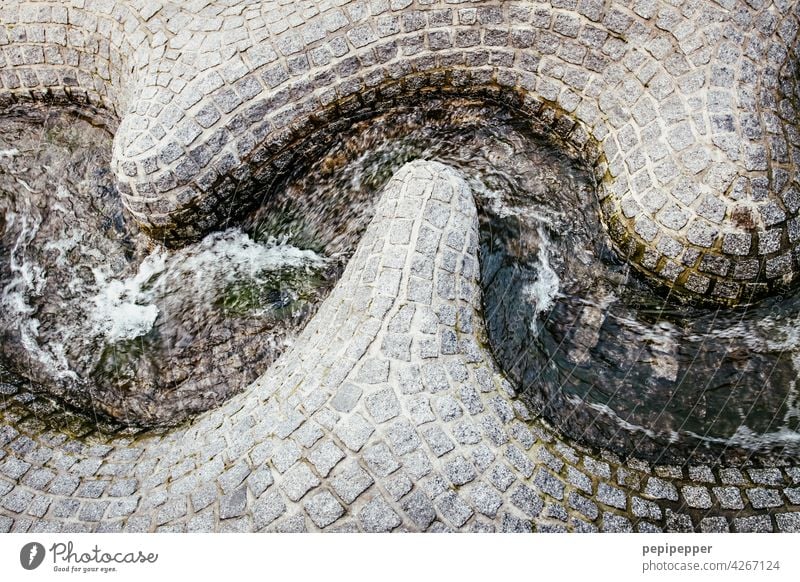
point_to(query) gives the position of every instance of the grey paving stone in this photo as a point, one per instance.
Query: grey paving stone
(402, 437)
(417, 464)
(448, 408)
(308, 434)
(354, 432)
(555, 511)
(513, 524)
(233, 504)
(454, 509)
(611, 496)
(267, 509)
(482, 457)
(419, 409)
(202, 523)
(291, 524)
(596, 467)
(714, 525)
(285, 454)
(325, 457)
(171, 510)
(579, 480)
(122, 507)
(346, 397)
(550, 460)
(616, 524)
(233, 477)
(660, 489)
(378, 516)
(579, 526)
(485, 500)
(350, 480)
(38, 508)
(753, 524)
(298, 481)
(398, 485)
(526, 499)
(383, 405)
(260, 480)
(731, 476)
(380, 460)
(770, 476)
(697, 497)
(478, 526)
(39, 478)
(793, 495)
(459, 471)
(92, 511)
(501, 477)
(419, 509)
(701, 474)
(17, 501)
(728, 497)
(647, 527)
(434, 485)
(523, 464)
(122, 488)
(14, 468)
(548, 483)
(438, 441)
(65, 507)
(203, 497)
(646, 509)
(583, 505)
(761, 498)
(788, 522)
(678, 522)
(323, 508)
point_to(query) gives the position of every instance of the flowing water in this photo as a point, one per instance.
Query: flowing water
(94, 314)
(97, 315)
(602, 354)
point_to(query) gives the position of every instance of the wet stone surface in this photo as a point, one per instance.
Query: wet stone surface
(696, 190)
(193, 479)
(95, 314)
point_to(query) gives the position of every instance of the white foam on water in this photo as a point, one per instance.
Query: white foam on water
(545, 289)
(119, 308)
(233, 254)
(747, 438)
(767, 334)
(28, 280)
(125, 308)
(605, 410)
(63, 247)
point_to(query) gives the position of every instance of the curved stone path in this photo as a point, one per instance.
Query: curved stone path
(686, 109)
(387, 414)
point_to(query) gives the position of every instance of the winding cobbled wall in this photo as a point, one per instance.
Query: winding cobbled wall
(389, 412)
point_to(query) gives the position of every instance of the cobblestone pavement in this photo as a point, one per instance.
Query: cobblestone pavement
(389, 412)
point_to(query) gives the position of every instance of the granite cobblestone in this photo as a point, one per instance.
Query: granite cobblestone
(386, 448)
